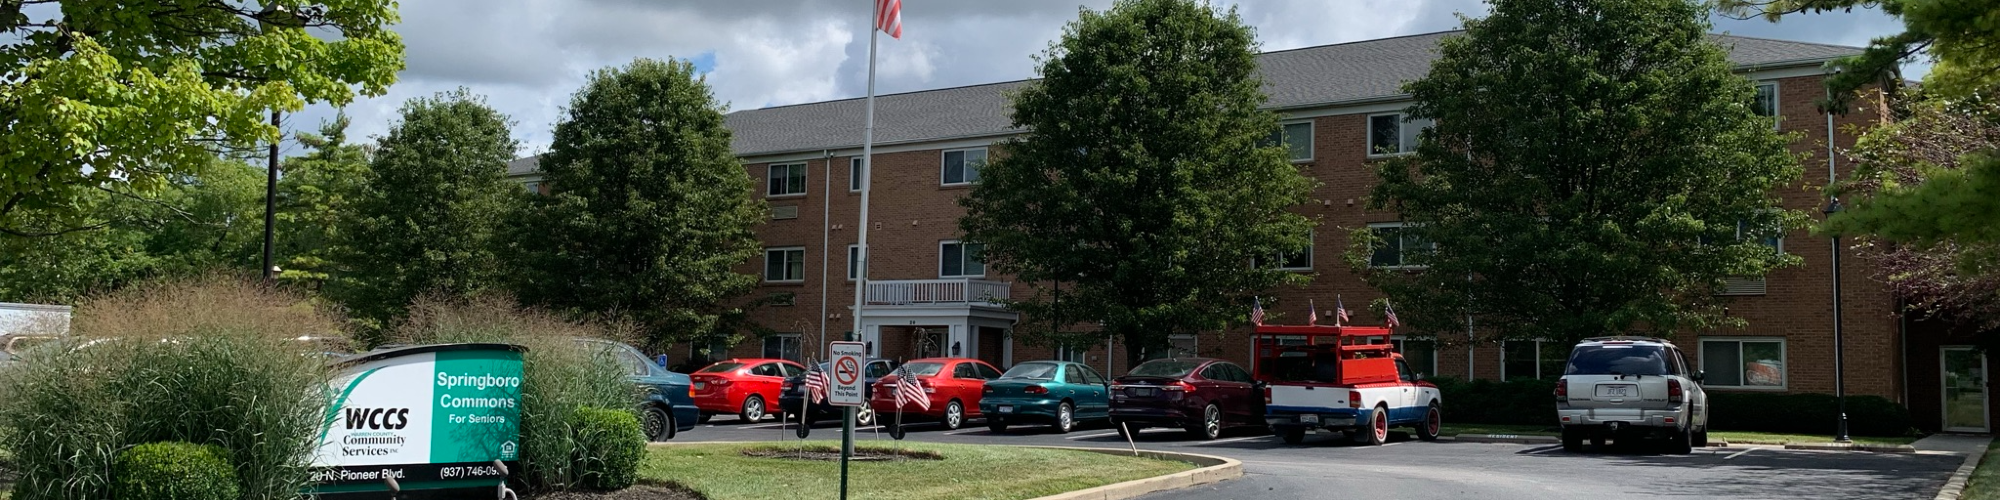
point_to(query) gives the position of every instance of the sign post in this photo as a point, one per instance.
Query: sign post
(425, 417)
(846, 390)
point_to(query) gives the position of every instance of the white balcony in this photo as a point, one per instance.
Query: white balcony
(939, 292)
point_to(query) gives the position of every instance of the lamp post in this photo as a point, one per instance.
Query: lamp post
(1839, 369)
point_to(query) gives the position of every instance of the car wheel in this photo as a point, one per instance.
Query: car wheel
(1433, 422)
(1065, 418)
(659, 425)
(1572, 439)
(703, 419)
(996, 426)
(1378, 428)
(954, 415)
(1210, 425)
(1681, 442)
(1292, 435)
(864, 417)
(1701, 438)
(753, 409)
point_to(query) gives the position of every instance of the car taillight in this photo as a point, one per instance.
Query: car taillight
(1674, 391)
(988, 390)
(1036, 389)
(1353, 399)
(1267, 395)
(1178, 387)
(719, 382)
(1562, 390)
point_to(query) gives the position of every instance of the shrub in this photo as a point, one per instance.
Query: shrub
(210, 360)
(1805, 414)
(1513, 402)
(173, 471)
(612, 447)
(559, 376)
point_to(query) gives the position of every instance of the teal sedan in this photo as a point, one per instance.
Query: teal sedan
(1056, 393)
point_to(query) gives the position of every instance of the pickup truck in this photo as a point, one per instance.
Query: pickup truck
(1322, 379)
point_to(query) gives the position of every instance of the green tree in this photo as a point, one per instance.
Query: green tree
(1958, 35)
(428, 209)
(651, 212)
(317, 192)
(128, 97)
(1595, 168)
(1143, 189)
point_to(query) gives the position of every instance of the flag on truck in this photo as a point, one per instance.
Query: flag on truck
(1257, 312)
(1389, 315)
(1340, 311)
(1312, 313)
(909, 390)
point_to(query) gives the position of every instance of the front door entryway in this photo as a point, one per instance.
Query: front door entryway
(1965, 395)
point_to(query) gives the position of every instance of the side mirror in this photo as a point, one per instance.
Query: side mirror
(1259, 385)
(1417, 377)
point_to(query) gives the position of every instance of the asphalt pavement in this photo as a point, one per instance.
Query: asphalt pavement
(1406, 468)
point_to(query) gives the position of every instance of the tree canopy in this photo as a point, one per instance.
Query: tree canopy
(1594, 168)
(650, 212)
(315, 196)
(1144, 187)
(127, 97)
(1958, 35)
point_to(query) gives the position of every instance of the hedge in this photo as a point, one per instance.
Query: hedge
(173, 471)
(1532, 402)
(612, 446)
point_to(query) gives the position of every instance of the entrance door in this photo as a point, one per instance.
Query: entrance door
(1964, 390)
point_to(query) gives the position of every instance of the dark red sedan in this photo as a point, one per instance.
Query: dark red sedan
(1202, 395)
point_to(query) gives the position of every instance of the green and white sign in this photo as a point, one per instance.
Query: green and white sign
(426, 417)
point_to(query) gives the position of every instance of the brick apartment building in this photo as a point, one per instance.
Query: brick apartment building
(1337, 102)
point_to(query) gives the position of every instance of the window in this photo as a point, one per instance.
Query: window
(782, 346)
(1182, 345)
(634, 365)
(1531, 359)
(1073, 376)
(962, 166)
(1766, 102)
(986, 372)
(961, 260)
(1769, 237)
(1296, 261)
(1422, 354)
(714, 350)
(879, 369)
(854, 173)
(1745, 363)
(785, 264)
(853, 262)
(1398, 246)
(1066, 353)
(1089, 376)
(787, 179)
(1390, 134)
(534, 187)
(964, 371)
(1296, 137)
(1403, 371)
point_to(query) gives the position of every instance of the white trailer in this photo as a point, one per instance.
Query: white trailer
(33, 319)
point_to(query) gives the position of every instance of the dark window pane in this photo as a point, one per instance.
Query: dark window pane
(854, 174)
(1422, 355)
(1618, 360)
(974, 159)
(952, 260)
(954, 167)
(1171, 368)
(1723, 362)
(1388, 251)
(853, 262)
(975, 259)
(1520, 359)
(1385, 134)
(1298, 140)
(774, 266)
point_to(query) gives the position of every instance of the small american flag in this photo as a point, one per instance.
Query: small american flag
(1340, 311)
(889, 17)
(1389, 314)
(1257, 312)
(1312, 313)
(816, 383)
(909, 390)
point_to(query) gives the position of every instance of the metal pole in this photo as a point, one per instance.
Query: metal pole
(271, 197)
(1839, 366)
(825, 245)
(861, 278)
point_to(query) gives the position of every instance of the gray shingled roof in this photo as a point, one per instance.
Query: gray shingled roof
(1312, 76)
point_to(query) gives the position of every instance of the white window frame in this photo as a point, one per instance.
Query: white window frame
(1399, 247)
(767, 264)
(1406, 141)
(1193, 351)
(1284, 140)
(962, 254)
(1777, 119)
(805, 179)
(853, 262)
(983, 155)
(854, 167)
(1397, 340)
(1784, 357)
(797, 340)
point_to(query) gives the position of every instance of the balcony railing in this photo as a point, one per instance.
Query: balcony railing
(944, 291)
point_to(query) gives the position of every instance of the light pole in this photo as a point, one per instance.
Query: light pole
(1839, 369)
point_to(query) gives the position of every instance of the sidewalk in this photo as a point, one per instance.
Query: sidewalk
(1973, 447)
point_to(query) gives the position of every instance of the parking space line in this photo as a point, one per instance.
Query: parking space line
(765, 426)
(1740, 453)
(1220, 441)
(1088, 436)
(964, 432)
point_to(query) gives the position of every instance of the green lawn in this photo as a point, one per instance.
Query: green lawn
(967, 472)
(1985, 482)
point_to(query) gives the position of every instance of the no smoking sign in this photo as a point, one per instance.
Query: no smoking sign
(847, 382)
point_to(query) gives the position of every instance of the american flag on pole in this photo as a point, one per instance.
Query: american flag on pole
(1389, 314)
(1340, 311)
(889, 17)
(909, 390)
(816, 383)
(1257, 312)
(1312, 313)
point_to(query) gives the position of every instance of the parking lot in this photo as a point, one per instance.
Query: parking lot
(1407, 468)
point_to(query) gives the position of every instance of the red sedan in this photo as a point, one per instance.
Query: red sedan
(745, 387)
(953, 384)
(1201, 395)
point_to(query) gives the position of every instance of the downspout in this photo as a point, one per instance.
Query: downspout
(825, 239)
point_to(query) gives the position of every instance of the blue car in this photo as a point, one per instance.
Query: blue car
(667, 407)
(1056, 393)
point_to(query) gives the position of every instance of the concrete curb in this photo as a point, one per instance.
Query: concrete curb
(1853, 447)
(1955, 486)
(1210, 469)
(1506, 438)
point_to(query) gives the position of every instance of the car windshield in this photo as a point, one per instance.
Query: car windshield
(1618, 360)
(1035, 371)
(925, 368)
(721, 367)
(1170, 368)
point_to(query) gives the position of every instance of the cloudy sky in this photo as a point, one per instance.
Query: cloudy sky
(528, 56)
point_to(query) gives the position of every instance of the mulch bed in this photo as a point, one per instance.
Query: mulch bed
(828, 453)
(637, 492)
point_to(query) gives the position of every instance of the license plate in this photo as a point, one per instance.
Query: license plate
(1308, 419)
(1006, 409)
(1617, 391)
(1142, 391)
(700, 385)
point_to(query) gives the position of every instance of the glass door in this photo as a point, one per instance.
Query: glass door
(1965, 408)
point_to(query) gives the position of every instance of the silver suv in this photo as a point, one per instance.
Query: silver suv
(1631, 387)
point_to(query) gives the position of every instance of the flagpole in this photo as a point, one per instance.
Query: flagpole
(861, 242)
